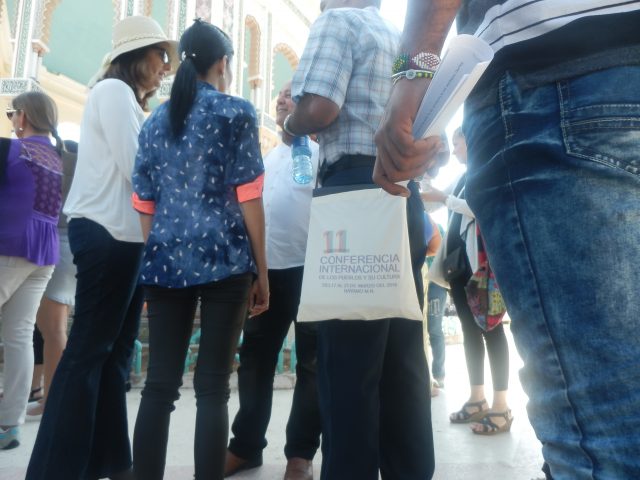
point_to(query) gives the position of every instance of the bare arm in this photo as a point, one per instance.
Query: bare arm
(145, 222)
(400, 156)
(253, 213)
(436, 240)
(312, 114)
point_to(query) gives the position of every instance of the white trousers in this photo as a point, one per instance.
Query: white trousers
(22, 284)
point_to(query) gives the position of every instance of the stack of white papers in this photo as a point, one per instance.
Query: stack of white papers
(462, 66)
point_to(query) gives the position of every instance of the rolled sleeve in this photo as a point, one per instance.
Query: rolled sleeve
(327, 61)
(251, 190)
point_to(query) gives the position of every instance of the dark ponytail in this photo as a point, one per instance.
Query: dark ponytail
(201, 45)
(59, 143)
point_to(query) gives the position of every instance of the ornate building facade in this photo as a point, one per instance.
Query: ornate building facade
(57, 45)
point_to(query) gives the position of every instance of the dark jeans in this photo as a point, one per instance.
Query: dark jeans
(84, 433)
(436, 302)
(223, 308)
(262, 340)
(474, 344)
(373, 381)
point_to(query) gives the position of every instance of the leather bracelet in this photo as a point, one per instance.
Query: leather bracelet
(285, 126)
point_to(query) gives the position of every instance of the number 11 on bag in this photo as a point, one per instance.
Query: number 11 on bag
(358, 261)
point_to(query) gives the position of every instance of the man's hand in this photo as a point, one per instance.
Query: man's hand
(400, 156)
(259, 296)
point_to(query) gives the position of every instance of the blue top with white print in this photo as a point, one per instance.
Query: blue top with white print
(198, 233)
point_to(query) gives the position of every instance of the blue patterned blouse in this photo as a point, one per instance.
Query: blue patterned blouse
(198, 233)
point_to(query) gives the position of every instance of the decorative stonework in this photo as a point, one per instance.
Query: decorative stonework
(117, 10)
(239, 37)
(182, 17)
(165, 88)
(255, 82)
(253, 67)
(10, 87)
(42, 25)
(171, 4)
(146, 7)
(269, 72)
(203, 10)
(227, 16)
(22, 42)
(12, 17)
(289, 54)
(294, 8)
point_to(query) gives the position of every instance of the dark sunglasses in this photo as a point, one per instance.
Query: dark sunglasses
(11, 111)
(164, 55)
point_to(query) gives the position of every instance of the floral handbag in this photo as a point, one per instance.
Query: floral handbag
(483, 295)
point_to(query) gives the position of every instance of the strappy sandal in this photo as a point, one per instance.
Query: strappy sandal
(464, 416)
(490, 428)
(35, 395)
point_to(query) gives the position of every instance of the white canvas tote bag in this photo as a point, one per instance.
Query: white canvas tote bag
(358, 263)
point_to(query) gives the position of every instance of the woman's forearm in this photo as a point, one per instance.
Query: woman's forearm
(146, 221)
(253, 213)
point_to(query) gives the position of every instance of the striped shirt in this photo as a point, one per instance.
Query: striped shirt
(543, 41)
(348, 59)
(505, 22)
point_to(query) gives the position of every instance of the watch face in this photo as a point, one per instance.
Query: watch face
(411, 74)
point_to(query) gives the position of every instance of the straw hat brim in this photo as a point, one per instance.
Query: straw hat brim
(132, 45)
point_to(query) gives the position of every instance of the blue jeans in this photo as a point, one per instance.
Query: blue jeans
(84, 431)
(436, 302)
(554, 183)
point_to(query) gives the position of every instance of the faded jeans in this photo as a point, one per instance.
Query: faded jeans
(554, 183)
(436, 303)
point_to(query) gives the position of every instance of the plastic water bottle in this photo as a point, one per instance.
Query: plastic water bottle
(301, 155)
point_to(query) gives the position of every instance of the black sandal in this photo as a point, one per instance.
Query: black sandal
(36, 395)
(464, 416)
(490, 428)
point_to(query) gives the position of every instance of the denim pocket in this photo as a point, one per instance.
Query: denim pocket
(601, 117)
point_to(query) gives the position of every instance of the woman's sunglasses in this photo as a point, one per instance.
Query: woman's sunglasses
(11, 111)
(164, 55)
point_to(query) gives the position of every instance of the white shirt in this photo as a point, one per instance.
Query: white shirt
(287, 205)
(101, 189)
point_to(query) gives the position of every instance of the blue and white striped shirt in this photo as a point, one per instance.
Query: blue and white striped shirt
(348, 60)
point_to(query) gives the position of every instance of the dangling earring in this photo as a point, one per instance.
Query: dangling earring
(20, 129)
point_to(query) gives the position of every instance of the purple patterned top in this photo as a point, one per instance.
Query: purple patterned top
(30, 201)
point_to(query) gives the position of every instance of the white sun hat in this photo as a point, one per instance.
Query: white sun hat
(132, 33)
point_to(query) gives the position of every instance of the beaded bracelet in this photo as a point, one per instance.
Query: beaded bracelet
(411, 74)
(419, 61)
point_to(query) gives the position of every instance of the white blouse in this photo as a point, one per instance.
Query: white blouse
(101, 189)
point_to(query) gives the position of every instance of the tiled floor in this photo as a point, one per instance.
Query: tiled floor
(459, 453)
